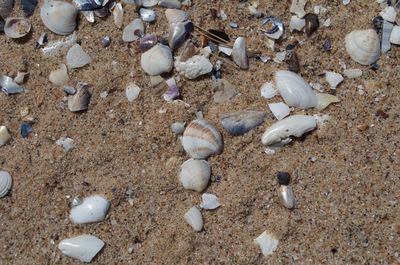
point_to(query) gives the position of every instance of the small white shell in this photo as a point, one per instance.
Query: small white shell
(93, 209)
(59, 77)
(195, 174)
(239, 53)
(295, 125)
(267, 243)
(157, 60)
(297, 7)
(201, 139)
(286, 196)
(268, 90)
(280, 110)
(194, 218)
(333, 79)
(193, 67)
(133, 30)
(363, 46)
(395, 35)
(147, 15)
(118, 14)
(16, 27)
(5, 136)
(132, 92)
(5, 183)
(83, 247)
(77, 57)
(59, 17)
(176, 15)
(209, 201)
(66, 143)
(178, 127)
(389, 14)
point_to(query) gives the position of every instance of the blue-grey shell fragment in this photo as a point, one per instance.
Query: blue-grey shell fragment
(240, 122)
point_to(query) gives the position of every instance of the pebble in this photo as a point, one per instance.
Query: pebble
(178, 127)
(26, 129)
(283, 178)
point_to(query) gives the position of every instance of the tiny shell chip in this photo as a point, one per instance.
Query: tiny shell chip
(297, 23)
(194, 218)
(83, 247)
(176, 15)
(4, 135)
(132, 92)
(178, 127)
(280, 110)
(209, 201)
(333, 79)
(5, 183)
(93, 209)
(268, 91)
(77, 57)
(66, 143)
(267, 243)
(201, 139)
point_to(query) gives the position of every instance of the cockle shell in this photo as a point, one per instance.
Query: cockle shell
(240, 122)
(133, 30)
(157, 60)
(93, 209)
(363, 46)
(5, 136)
(16, 27)
(280, 132)
(201, 139)
(176, 15)
(83, 247)
(5, 183)
(195, 174)
(59, 16)
(194, 67)
(239, 53)
(194, 218)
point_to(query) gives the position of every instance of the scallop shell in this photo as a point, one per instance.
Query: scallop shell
(157, 60)
(195, 174)
(16, 27)
(201, 139)
(194, 218)
(83, 247)
(5, 183)
(363, 46)
(59, 17)
(93, 209)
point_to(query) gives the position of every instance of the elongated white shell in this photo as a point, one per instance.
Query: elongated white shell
(59, 17)
(286, 196)
(363, 46)
(5, 183)
(157, 60)
(83, 248)
(93, 209)
(4, 135)
(267, 243)
(194, 218)
(295, 125)
(195, 174)
(239, 53)
(201, 139)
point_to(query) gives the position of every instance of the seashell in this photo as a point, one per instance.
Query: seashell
(8, 86)
(297, 7)
(20, 77)
(77, 57)
(239, 53)
(386, 32)
(87, 5)
(209, 201)
(5, 183)
(16, 27)
(147, 42)
(80, 100)
(157, 60)
(178, 33)
(389, 14)
(149, 3)
(312, 23)
(195, 174)
(56, 47)
(66, 143)
(280, 110)
(194, 218)
(133, 30)
(106, 41)
(170, 3)
(5, 136)
(59, 77)
(193, 67)
(363, 46)
(395, 35)
(240, 122)
(26, 129)
(286, 196)
(178, 127)
(280, 132)
(333, 79)
(297, 23)
(176, 15)
(173, 90)
(201, 139)
(147, 15)
(92, 209)
(272, 27)
(352, 73)
(268, 91)
(69, 90)
(118, 14)
(266, 242)
(59, 17)
(132, 92)
(225, 50)
(83, 247)
(6, 7)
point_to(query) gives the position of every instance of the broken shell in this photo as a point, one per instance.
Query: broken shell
(312, 23)
(20, 77)
(147, 42)
(173, 90)
(59, 77)
(56, 47)
(80, 100)
(363, 46)
(16, 27)
(178, 127)
(59, 17)
(297, 23)
(395, 35)
(266, 242)
(194, 218)
(209, 201)
(83, 247)
(240, 122)
(133, 30)
(297, 7)
(268, 90)
(118, 14)
(157, 60)
(280, 110)
(176, 15)
(8, 86)
(170, 3)
(66, 143)
(77, 57)
(6, 6)
(178, 33)
(92, 209)
(195, 174)
(286, 196)
(5, 136)
(5, 183)
(296, 125)
(193, 67)
(333, 79)
(239, 53)
(149, 3)
(147, 15)
(132, 92)
(389, 14)
(386, 32)
(201, 139)
(272, 27)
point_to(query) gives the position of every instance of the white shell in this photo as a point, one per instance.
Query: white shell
(352, 73)
(363, 46)
(295, 125)
(83, 247)
(130, 32)
(59, 17)
(297, 7)
(239, 53)
(16, 27)
(194, 218)
(20, 77)
(178, 127)
(280, 110)
(194, 67)
(147, 15)
(5, 136)
(389, 14)
(149, 3)
(59, 77)
(93, 209)
(118, 14)
(333, 79)
(132, 92)
(395, 35)
(268, 90)
(209, 201)
(267, 243)
(176, 15)
(5, 183)
(157, 60)
(297, 23)
(201, 139)
(286, 196)
(195, 174)
(77, 57)
(66, 143)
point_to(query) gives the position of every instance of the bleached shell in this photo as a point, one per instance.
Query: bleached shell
(59, 77)
(201, 139)
(240, 122)
(333, 79)
(194, 218)
(178, 32)
(157, 60)
(363, 46)
(5, 136)
(16, 27)
(83, 247)
(297, 23)
(389, 14)
(195, 174)
(149, 3)
(280, 110)
(286, 196)
(268, 90)
(147, 15)
(176, 15)
(118, 14)
(193, 67)
(297, 7)
(93, 209)
(169, 3)
(5, 183)
(77, 57)
(295, 125)
(395, 35)
(131, 31)
(267, 243)
(80, 100)
(132, 91)
(239, 53)
(59, 17)
(209, 201)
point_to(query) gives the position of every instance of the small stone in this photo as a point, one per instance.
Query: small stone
(327, 45)
(26, 129)
(66, 143)
(283, 178)
(104, 94)
(105, 42)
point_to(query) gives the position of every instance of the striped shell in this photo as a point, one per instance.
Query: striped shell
(5, 183)
(201, 139)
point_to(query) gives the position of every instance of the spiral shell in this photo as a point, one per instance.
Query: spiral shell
(59, 17)
(363, 46)
(201, 139)
(5, 183)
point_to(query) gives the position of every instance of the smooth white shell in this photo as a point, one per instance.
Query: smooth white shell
(201, 139)
(195, 174)
(5, 183)
(66, 143)
(132, 92)
(93, 209)
(267, 243)
(4, 135)
(16, 27)
(59, 77)
(130, 32)
(389, 14)
(352, 73)
(59, 17)
(280, 110)
(147, 15)
(286, 196)
(77, 57)
(363, 46)
(268, 90)
(295, 125)
(395, 35)
(157, 60)
(83, 248)
(209, 201)
(194, 67)
(194, 218)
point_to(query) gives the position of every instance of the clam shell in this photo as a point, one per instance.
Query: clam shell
(201, 139)
(286, 196)
(194, 218)
(93, 209)
(157, 60)
(195, 174)
(77, 57)
(80, 100)
(176, 15)
(240, 122)
(59, 17)
(5, 136)
(363, 46)
(6, 6)
(5, 183)
(133, 30)
(194, 67)
(83, 247)
(178, 33)
(59, 77)
(17, 27)
(239, 53)
(296, 125)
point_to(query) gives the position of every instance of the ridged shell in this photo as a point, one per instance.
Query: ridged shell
(157, 60)
(363, 46)
(195, 174)
(59, 17)
(5, 183)
(201, 139)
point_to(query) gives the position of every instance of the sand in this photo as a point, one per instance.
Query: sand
(345, 180)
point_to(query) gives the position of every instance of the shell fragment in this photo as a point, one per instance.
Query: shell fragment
(83, 247)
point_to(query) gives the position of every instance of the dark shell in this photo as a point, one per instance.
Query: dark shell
(240, 122)
(220, 34)
(293, 61)
(79, 101)
(312, 23)
(178, 33)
